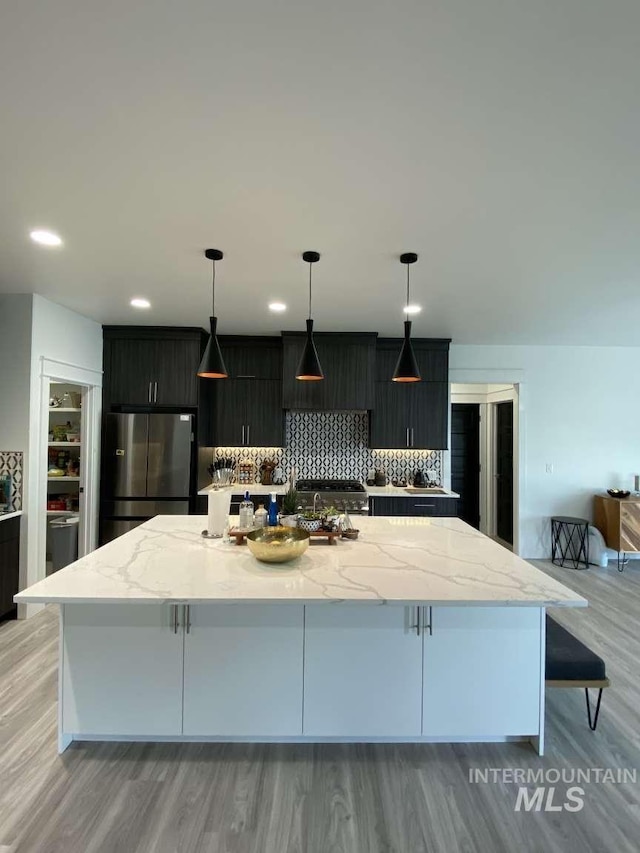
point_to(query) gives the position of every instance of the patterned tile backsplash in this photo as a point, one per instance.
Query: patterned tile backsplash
(11, 479)
(334, 444)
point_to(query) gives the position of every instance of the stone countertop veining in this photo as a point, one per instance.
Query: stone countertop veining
(409, 492)
(13, 514)
(252, 488)
(437, 561)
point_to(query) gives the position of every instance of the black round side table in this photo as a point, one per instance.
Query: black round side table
(570, 541)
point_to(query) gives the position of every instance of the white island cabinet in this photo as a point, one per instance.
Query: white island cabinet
(121, 670)
(243, 670)
(421, 630)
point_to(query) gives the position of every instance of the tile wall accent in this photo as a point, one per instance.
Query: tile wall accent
(11, 467)
(334, 445)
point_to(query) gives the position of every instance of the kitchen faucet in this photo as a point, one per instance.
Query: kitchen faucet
(316, 497)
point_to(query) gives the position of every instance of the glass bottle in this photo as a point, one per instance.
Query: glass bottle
(260, 517)
(245, 519)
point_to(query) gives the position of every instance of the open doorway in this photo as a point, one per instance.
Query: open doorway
(66, 520)
(66, 469)
(484, 457)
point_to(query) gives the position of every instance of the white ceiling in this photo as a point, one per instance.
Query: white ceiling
(499, 140)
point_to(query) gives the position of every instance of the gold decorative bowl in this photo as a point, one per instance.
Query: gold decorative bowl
(277, 544)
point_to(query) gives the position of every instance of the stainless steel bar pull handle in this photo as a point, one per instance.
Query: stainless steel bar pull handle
(176, 624)
(187, 617)
(149, 393)
(429, 625)
(155, 392)
(407, 442)
(243, 434)
(416, 627)
(412, 437)
(248, 433)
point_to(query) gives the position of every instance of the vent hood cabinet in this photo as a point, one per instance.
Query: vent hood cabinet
(349, 364)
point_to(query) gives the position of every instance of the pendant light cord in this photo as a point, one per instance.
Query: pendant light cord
(407, 286)
(310, 265)
(213, 291)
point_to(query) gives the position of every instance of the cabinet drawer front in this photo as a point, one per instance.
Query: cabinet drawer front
(363, 671)
(10, 529)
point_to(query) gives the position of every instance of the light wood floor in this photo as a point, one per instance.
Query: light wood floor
(160, 798)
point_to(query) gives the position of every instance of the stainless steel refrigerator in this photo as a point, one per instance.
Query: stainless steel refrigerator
(148, 469)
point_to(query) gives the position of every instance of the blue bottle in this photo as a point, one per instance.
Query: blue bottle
(273, 510)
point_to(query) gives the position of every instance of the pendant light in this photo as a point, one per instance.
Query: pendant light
(309, 369)
(407, 366)
(212, 365)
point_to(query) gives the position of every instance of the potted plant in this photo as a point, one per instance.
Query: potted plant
(310, 521)
(289, 514)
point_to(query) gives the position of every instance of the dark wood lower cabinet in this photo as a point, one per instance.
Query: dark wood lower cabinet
(9, 565)
(424, 505)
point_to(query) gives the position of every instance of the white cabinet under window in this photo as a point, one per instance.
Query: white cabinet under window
(243, 670)
(362, 671)
(121, 670)
(482, 671)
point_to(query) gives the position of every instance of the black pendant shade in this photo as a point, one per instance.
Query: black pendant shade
(212, 365)
(309, 368)
(407, 366)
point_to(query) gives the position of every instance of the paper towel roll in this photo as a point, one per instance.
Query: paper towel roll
(218, 511)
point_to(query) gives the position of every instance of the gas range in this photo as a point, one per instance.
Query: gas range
(343, 494)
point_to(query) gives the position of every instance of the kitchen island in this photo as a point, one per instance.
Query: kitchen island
(421, 630)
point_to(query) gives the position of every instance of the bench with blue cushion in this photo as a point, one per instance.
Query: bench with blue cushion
(569, 663)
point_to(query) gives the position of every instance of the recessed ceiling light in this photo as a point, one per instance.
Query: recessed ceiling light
(412, 309)
(139, 302)
(45, 238)
(277, 307)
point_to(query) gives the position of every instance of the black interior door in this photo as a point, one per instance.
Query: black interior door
(465, 460)
(504, 471)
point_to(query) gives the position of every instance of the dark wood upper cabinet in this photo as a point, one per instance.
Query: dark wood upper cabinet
(432, 355)
(248, 405)
(249, 413)
(410, 416)
(151, 365)
(348, 363)
(252, 357)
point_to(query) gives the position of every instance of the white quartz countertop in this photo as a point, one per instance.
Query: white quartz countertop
(372, 491)
(252, 488)
(438, 561)
(409, 492)
(5, 515)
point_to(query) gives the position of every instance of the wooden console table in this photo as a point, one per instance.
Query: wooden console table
(618, 519)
